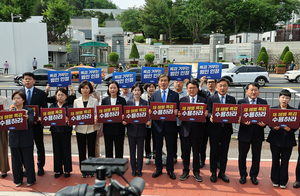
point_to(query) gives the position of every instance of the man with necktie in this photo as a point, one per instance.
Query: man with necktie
(251, 134)
(35, 96)
(219, 133)
(164, 129)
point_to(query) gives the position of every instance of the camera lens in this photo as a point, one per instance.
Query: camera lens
(101, 173)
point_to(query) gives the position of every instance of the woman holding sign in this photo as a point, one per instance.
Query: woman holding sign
(86, 134)
(282, 140)
(4, 165)
(136, 132)
(61, 138)
(21, 143)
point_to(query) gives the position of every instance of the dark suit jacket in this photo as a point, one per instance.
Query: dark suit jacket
(215, 128)
(157, 125)
(114, 128)
(23, 138)
(196, 127)
(281, 137)
(246, 132)
(38, 98)
(137, 130)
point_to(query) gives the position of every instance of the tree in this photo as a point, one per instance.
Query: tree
(99, 4)
(111, 16)
(285, 50)
(134, 53)
(171, 17)
(288, 58)
(113, 57)
(40, 7)
(130, 20)
(96, 14)
(263, 49)
(263, 56)
(57, 17)
(149, 58)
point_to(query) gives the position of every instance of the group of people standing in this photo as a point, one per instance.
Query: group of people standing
(193, 135)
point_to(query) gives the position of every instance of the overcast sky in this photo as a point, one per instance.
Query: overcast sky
(124, 4)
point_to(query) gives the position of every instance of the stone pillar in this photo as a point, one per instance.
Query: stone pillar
(75, 51)
(118, 46)
(215, 39)
(255, 49)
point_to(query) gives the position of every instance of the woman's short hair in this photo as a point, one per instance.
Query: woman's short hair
(116, 83)
(148, 85)
(83, 83)
(21, 93)
(285, 92)
(64, 91)
(137, 85)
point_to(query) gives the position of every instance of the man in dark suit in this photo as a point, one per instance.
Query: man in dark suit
(35, 96)
(219, 133)
(165, 129)
(251, 134)
(191, 133)
(297, 182)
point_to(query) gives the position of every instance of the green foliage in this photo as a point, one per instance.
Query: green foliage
(288, 57)
(168, 61)
(71, 65)
(166, 65)
(111, 16)
(112, 65)
(133, 65)
(134, 53)
(149, 58)
(26, 8)
(96, 14)
(285, 50)
(263, 49)
(113, 57)
(48, 65)
(153, 65)
(281, 65)
(139, 39)
(99, 4)
(263, 56)
(130, 20)
(162, 42)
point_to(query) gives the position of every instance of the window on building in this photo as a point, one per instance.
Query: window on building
(268, 38)
(50, 57)
(264, 39)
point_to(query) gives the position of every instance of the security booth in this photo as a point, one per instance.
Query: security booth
(94, 50)
(220, 52)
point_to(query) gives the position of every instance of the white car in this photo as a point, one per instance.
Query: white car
(226, 66)
(293, 75)
(247, 73)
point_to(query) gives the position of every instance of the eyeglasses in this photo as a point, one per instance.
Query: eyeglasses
(211, 82)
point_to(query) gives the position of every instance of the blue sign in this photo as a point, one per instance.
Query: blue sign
(124, 79)
(180, 72)
(150, 74)
(90, 74)
(210, 70)
(59, 78)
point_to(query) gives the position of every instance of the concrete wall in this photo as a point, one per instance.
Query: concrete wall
(20, 42)
(251, 37)
(59, 55)
(269, 36)
(109, 31)
(94, 27)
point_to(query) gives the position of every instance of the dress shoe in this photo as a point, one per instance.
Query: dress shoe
(202, 164)
(156, 174)
(84, 175)
(184, 176)
(283, 186)
(57, 174)
(172, 175)
(223, 177)
(139, 174)
(213, 177)
(30, 184)
(198, 177)
(18, 184)
(275, 185)
(174, 160)
(243, 180)
(133, 173)
(296, 184)
(254, 180)
(41, 171)
(4, 175)
(218, 165)
(91, 175)
(67, 174)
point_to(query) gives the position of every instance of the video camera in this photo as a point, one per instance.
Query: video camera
(114, 188)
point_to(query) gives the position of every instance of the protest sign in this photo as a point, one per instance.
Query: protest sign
(53, 116)
(35, 109)
(226, 113)
(109, 113)
(193, 112)
(163, 111)
(59, 78)
(124, 79)
(13, 120)
(81, 116)
(255, 113)
(150, 74)
(180, 72)
(90, 74)
(210, 70)
(136, 114)
(282, 118)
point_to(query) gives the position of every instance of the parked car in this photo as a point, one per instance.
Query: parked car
(246, 74)
(293, 75)
(226, 66)
(41, 77)
(138, 73)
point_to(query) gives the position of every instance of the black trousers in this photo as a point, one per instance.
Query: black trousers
(136, 144)
(298, 166)
(62, 151)
(203, 146)
(176, 142)
(188, 143)
(169, 137)
(39, 143)
(219, 143)
(6, 71)
(148, 143)
(280, 164)
(109, 141)
(243, 151)
(17, 162)
(82, 141)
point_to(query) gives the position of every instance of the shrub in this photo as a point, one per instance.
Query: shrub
(134, 53)
(263, 56)
(166, 65)
(285, 50)
(149, 58)
(139, 39)
(263, 49)
(48, 65)
(153, 65)
(221, 60)
(113, 57)
(133, 65)
(288, 58)
(168, 61)
(112, 65)
(71, 65)
(281, 65)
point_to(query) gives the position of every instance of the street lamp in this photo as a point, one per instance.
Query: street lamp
(17, 16)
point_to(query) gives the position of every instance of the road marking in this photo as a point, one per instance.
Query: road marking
(5, 86)
(291, 90)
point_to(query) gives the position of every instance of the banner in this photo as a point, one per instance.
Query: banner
(136, 114)
(180, 72)
(124, 79)
(210, 70)
(193, 112)
(1, 107)
(163, 111)
(59, 78)
(150, 74)
(282, 118)
(109, 113)
(81, 116)
(255, 113)
(53, 116)
(13, 120)
(226, 113)
(90, 74)
(35, 109)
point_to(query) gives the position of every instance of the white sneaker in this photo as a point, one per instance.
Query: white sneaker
(275, 185)
(153, 161)
(147, 161)
(283, 186)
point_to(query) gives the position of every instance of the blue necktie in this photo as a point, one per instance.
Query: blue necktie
(252, 102)
(164, 96)
(222, 99)
(28, 97)
(193, 100)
